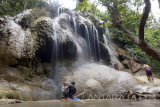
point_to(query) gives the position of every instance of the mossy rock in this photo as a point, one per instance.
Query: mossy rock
(42, 27)
(25, 20)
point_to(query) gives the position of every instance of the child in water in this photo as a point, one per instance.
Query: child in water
(64, 91)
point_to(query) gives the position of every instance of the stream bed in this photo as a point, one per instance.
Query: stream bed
(87, 103)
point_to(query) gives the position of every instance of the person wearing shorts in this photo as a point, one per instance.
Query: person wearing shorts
(148, 70)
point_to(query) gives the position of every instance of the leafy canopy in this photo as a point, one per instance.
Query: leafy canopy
(13, 7)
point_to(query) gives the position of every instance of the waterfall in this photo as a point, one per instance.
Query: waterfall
(106, 42)
(60, 10)
(72, 27)
(111, 51)
(96, 41)
(87, 39)
(55, 38)
(68, 26)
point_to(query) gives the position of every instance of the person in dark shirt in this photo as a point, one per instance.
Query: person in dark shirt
(148, 70)
(71, 90)
(116, 66)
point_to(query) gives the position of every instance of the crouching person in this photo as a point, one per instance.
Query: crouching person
(64, 91)
(71, 90)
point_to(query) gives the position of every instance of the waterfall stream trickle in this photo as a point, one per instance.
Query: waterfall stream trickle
(111, 51)
(68, 27)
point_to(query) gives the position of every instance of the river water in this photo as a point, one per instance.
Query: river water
(89, 103)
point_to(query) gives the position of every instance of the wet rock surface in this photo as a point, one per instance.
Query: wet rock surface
(43, 90)
(98, 79)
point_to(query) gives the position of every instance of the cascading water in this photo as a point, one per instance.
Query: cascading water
(109, 47)
(96, 38)
(106, 42)
(62, 35)
(87, 43)
(91, 37)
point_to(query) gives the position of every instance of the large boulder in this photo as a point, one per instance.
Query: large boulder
(95, 78)
(20, 38)
(93, 86)
(16, 45)
(27, 17)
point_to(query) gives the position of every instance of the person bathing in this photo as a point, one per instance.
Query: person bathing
(64, 91)
(68, 91)
(72, 90)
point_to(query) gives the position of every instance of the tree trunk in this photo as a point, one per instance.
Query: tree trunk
(143, 20)
(159, 3)
(143, 45)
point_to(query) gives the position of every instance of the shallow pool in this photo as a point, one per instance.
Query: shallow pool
(88, 103)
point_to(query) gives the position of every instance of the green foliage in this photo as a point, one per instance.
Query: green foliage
(130, 12)
(9, 7)
(130, 18)
(85, 6)
(152, 36)
(137, 53)
(119, 36)
(13, 7)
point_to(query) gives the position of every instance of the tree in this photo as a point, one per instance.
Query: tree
(13, 7)
(112, 6)
(84, 6)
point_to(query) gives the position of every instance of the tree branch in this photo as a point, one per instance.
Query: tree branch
(143, 20)
(116, 20)
(155, 54)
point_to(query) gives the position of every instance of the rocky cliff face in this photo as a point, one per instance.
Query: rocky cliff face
(33, 36)
(18, 42)
(14, 44)
(21, 39)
